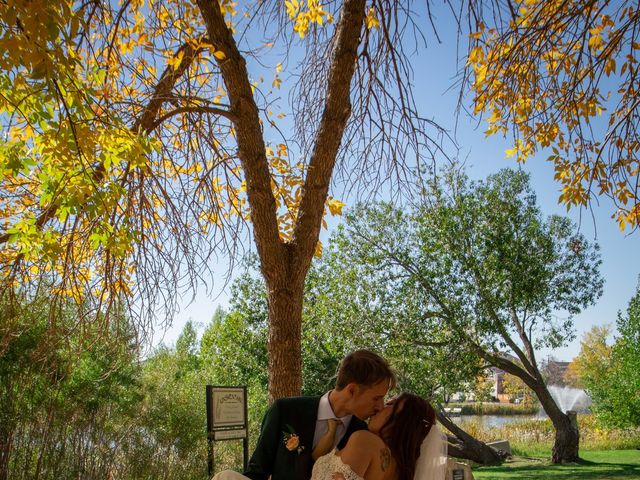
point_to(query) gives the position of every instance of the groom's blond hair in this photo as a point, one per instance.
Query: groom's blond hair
(365, 368)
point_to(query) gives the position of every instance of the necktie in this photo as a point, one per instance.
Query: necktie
(325, 444)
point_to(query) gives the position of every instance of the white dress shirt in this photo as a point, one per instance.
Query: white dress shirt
(325, 412)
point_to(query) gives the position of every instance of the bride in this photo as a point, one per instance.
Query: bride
(403, 443)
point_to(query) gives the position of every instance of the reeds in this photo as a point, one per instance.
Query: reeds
(534, 437)
(494, 408)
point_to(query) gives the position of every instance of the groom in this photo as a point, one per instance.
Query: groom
(295, 428)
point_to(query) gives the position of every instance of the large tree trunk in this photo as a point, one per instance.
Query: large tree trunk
(463, 445)
(285, 319)
(285, 265)
(567, 440)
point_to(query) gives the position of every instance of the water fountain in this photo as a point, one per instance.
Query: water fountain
(569, 398)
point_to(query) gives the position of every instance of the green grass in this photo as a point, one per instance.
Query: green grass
(602, 465)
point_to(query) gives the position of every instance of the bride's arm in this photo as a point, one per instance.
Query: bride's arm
(367, 455)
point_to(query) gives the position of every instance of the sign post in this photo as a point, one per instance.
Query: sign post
(226, 419)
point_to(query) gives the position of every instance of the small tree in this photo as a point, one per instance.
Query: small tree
(483, 387)
(62, 389)
(553, 371)
(571, 376)
(611, 373)
(516, 388)
(594, 361)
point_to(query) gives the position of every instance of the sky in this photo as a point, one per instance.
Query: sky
(435, 70)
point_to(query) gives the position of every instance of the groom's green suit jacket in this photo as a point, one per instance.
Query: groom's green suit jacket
(271, 456)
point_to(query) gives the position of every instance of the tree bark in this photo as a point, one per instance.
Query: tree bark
(567, 439)
(567, 442)
(285, 321)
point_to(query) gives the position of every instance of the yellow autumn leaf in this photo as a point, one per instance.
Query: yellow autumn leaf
(335, 206)
(372, 19)
(510, 152)
(476, 56)
(226, 6)
(610, 66)
(175, 62)
(293, 6)
(301, 25)
(219, 54)
(595, 41)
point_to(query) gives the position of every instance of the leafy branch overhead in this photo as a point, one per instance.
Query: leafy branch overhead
(143, 142)
(120, 139)
(562, 77)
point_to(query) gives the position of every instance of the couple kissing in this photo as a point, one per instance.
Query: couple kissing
(326, 438)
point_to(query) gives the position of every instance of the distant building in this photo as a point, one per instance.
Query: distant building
(498, 381)
(498, 385)
(553, 371)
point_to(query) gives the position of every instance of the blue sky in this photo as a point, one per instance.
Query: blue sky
(435, 68)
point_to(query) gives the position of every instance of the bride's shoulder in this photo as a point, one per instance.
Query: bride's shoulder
(365, 439)
(368, 455)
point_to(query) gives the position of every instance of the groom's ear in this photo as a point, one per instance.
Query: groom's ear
(351, 389)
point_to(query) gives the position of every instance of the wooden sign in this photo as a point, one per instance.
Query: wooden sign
(227, 419)
(229, 407)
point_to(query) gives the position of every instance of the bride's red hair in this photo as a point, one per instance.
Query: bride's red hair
(404, 431)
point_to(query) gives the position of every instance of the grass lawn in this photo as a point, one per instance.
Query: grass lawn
(602, 465)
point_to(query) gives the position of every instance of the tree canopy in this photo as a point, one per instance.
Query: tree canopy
(610, 372)
(145, 139)
(485, 263)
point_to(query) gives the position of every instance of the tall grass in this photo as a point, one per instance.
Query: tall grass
(534, 437)
(494, 408)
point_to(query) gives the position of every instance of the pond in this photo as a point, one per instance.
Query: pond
(486, 421)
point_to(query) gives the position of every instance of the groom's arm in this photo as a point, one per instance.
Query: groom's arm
(261, 463)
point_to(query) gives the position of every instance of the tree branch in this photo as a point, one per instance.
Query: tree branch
(145, 123)
(329, 134)
(198, 109)
(251, 147)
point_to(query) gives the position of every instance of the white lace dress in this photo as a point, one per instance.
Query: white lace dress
(330, 467)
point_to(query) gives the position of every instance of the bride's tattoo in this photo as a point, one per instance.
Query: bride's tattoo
(385, 458)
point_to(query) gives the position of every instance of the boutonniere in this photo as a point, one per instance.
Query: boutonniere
(292, 441)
